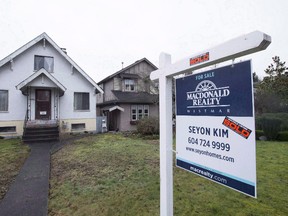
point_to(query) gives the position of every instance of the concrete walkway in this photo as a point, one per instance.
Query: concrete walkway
(28, 195)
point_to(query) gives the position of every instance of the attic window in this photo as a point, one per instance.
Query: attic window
(45, 62)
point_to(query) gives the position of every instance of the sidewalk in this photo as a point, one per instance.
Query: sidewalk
(28, 195)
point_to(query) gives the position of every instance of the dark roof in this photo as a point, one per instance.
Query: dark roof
(133, 98)
(126, 68)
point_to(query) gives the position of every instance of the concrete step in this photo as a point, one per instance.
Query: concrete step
(40, 134)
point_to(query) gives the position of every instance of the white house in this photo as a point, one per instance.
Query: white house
(40, 84)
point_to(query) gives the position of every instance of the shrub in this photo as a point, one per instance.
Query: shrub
(283, 136)
(271, 127)
(148, 126)
(283, 117)
(259, 133)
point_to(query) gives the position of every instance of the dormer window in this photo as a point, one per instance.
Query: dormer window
(129, 85)
(45, 62)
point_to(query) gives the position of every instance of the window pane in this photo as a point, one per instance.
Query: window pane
(140, 111)
(134, 117)
(38, 62)
(81, 101)
(3, 100)
(146, 110)
(132, 88)
(43, 95)
(133, 113)
(48, 64)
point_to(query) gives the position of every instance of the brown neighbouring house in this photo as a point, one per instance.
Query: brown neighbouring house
(129, 95)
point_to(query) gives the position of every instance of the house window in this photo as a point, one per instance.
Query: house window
(139, 111)
(146, 110)
(3, 100)
(129, 85)
(79, 126)
(45, 62)
(81, 101)
(8, 129)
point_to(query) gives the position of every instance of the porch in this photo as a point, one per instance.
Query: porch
(41, 123)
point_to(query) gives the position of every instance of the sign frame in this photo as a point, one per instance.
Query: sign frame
(246, 44)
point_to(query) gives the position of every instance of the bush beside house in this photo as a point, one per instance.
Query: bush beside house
(272, 125)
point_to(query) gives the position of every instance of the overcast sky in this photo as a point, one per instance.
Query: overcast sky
(100, 34)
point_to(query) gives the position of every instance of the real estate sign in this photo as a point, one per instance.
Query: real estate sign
(215, 126)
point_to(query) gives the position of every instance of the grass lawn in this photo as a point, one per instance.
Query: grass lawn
(110, 174)
(12, 157)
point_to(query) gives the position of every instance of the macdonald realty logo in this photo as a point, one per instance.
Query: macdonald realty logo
(208, 95)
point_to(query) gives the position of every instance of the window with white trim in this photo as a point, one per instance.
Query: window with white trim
(3, 100)
(45, 62)
(139, 111)
(130, 85)
(81, 101)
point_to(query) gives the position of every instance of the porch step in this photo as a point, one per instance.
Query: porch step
(40, 134)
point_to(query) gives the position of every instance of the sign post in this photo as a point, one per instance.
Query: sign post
(240, 46)
(166, 135)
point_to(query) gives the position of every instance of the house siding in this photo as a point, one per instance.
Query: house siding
(108, 96)
(117, 84)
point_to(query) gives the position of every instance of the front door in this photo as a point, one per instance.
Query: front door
(43, 104)
(113, 120)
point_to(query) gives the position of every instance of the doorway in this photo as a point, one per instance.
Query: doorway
(43, 104)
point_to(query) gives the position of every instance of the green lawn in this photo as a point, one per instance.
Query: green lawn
(110, 174)
(12, 157)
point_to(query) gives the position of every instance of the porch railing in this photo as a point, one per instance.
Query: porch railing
(25, 120)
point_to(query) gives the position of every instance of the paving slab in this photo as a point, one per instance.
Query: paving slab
(28, 195)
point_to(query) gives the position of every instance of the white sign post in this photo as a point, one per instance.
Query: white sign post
(240, 46)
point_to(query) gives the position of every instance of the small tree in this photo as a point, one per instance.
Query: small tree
(275, 86)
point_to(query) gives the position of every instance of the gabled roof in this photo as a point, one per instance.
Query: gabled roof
(45, 37)
(128, 67)
(29, 79)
